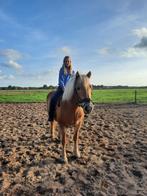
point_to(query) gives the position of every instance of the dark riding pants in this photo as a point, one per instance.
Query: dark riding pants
(53, 103)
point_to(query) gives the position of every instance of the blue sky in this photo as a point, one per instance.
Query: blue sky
(108, 37)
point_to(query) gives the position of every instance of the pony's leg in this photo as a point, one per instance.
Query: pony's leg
(76, 140)
(63, 132)
(59, 134)
(52, 126)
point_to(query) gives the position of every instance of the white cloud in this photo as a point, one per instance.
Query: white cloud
(138, 50)
(14, 64)
(11, 54)
(142, 32)
(48, 77)
(134, 52)
(38, 75)
(142, 44)
(104, 51)
(65, 50)
(36, 35)
(4, 76)
(11, 76)
(11, 64)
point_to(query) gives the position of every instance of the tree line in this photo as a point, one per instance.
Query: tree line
(10, 87)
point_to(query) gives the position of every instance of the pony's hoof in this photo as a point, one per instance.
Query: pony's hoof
(65, 160)
(52, 138)
(77, 154)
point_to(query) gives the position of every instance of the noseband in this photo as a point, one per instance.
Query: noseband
(82, 102)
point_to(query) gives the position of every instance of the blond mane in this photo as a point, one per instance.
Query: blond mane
(69, 89)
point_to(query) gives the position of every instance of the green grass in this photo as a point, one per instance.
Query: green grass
(99, 96)
(21, 96)
(120, 96)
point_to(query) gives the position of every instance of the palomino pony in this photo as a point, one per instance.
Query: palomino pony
(75, 103)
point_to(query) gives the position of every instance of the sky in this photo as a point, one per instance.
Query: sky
(107, 37)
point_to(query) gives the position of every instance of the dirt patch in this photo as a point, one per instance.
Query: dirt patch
(113, 145)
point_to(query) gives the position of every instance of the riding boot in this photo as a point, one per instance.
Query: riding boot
(51, 111)
(53, 104)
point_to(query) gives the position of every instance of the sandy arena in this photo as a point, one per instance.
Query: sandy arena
(113, 146)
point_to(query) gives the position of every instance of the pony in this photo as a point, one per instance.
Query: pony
(71, 109)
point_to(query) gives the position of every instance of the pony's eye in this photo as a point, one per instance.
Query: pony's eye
(78, 88)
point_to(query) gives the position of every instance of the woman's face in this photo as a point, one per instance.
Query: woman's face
(67, 62)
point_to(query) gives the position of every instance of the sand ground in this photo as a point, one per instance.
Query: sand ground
(113, 146)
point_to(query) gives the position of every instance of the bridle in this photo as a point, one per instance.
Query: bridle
(82, 102)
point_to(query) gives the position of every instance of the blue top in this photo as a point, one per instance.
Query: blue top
(63, 78)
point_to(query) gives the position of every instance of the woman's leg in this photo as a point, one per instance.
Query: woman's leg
(53, 104)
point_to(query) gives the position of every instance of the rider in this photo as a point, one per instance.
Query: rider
(65, 74)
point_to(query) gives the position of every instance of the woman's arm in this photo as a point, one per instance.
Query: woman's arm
(61, 79)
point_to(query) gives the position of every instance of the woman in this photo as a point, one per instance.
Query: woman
(65, 74)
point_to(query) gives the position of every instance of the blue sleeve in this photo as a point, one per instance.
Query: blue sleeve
(61, 79)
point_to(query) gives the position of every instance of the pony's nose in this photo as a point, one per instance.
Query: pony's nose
(88, 109)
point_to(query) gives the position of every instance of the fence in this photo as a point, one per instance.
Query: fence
(136, 96)
(127, 95)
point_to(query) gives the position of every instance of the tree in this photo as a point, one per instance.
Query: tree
(45, 86)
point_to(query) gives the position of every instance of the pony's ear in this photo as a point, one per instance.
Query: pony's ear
(77, 74)
(89, 74)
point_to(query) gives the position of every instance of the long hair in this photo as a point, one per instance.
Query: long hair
(64, 67)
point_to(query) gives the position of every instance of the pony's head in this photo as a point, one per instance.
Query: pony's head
(79, 86)
(83, 90)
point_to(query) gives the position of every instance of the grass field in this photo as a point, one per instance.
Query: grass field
(99, 96)
(120, 96)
